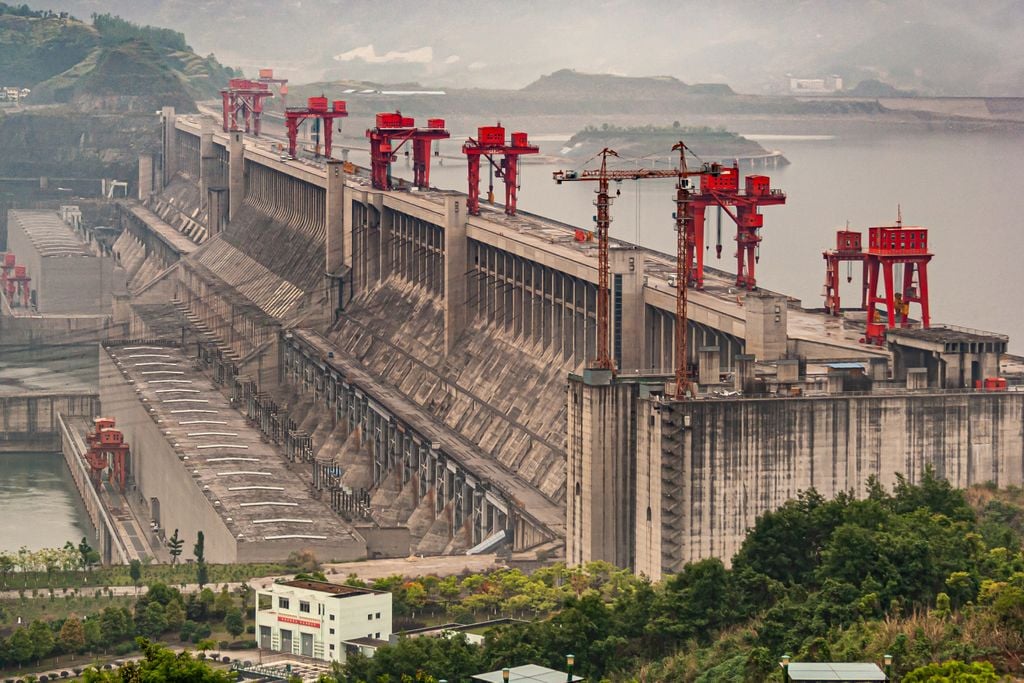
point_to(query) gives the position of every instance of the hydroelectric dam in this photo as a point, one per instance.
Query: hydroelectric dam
(424, 374)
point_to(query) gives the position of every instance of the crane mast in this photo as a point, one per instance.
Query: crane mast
(603, 203)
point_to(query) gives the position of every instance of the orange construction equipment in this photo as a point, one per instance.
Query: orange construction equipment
(107, 450)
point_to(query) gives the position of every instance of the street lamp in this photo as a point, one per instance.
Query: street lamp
(505, 674)
(887, 658)
(784, 663)
(570, 659)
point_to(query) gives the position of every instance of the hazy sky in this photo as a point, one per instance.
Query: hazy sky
(931, 44)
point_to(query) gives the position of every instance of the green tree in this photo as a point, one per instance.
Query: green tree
(7, 565)
(175, 615)
(234, 622)
(174, 545)
(93, 634)
(115, 625)
(72, 636)
(199, 548)
(135, 572)
(222, 604)
(86, 551)
(43, 640)
(20, 648)
(151, 621)
(202, 574)
(953, 671)
(161, 664)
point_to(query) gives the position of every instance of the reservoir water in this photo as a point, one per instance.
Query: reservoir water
(39, 505)
(960, 186)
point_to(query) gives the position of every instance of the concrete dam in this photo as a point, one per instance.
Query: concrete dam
(425, 372)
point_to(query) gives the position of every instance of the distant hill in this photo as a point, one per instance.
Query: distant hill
(645, 142)
(570, 83)
(109, 65)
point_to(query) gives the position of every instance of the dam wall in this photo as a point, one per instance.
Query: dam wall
(706, 469)
(31, 422)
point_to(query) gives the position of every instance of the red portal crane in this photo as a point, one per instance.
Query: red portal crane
(848, 248)
(720, 185)
(394, 130)
(887, 247)
(316, 109)
(490, 142)
(107, 449)
(267, 76)
(244, 98)
(15, 283)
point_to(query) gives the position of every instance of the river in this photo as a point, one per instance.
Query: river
(39, 505)
(959, 186)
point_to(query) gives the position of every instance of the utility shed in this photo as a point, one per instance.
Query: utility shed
(835, 671)
(67, 276)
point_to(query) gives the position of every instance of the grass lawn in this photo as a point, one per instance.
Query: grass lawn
(118, 575)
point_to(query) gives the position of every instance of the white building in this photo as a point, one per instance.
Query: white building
(322, 620)
(815, 86)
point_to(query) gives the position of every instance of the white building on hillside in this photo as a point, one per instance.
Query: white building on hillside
(322, 620)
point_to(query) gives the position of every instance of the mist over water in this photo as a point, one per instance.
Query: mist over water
(39, 505)
(959, 186)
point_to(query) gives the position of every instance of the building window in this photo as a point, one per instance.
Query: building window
(332, 633)
(377, 636)
(303, 606)
(282, 603)
(369, 617)
(377, 616)
(332, 646)
(332, 617)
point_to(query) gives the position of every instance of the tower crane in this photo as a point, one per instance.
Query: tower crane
(602, 176)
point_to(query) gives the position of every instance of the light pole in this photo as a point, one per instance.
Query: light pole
(505, 674)
(784, 663)
(888, 666)
(570, 659)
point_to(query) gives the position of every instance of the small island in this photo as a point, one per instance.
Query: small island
(653, 143)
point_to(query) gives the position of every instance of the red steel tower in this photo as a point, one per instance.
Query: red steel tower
(316, 109)
(888, 247)
(244, 98)
(267, 76)
(394, 130)
(490, 142)
(848, 248)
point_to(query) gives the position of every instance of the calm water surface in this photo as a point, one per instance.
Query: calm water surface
(39, 505)
(960, 186)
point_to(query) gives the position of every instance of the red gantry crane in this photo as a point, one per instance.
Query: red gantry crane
(15, 282)
(316, 108)
(683, 231)
(490, 142)
(267, 77)
(888, 247)
(107, 449)
(394, 130)
(719, 185)
(243, 99)
(848, 249)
